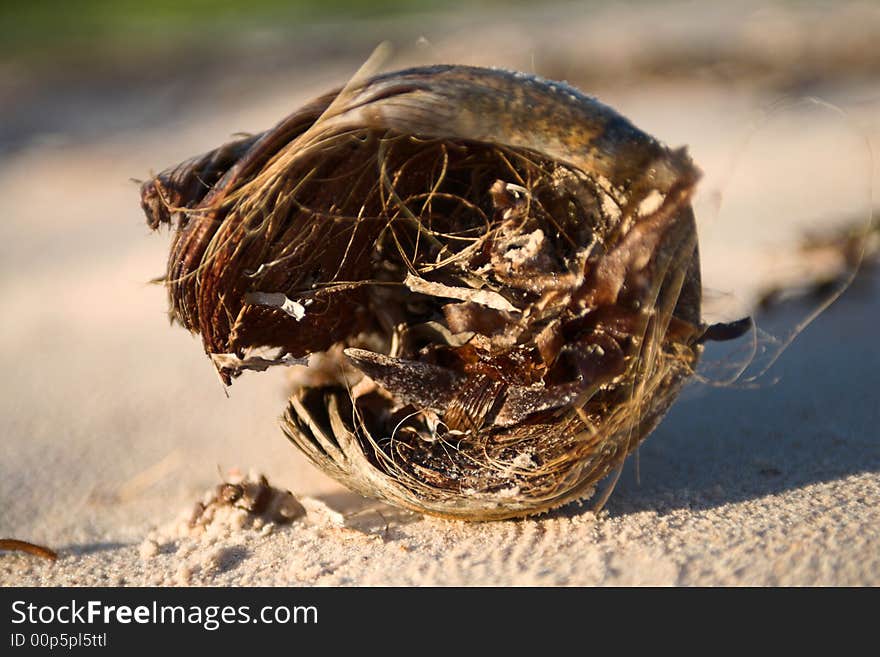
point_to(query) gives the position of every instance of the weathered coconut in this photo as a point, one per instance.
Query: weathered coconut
(496, 278)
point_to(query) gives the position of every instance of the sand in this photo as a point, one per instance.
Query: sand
(113, 424)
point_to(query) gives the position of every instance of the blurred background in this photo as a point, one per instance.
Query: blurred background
(110, 420)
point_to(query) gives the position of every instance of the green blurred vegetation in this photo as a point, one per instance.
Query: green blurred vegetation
(38, 28)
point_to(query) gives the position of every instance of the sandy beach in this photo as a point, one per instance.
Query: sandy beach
(114, 424)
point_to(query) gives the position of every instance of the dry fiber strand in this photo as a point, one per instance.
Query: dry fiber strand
(15, 545)
(494, 279)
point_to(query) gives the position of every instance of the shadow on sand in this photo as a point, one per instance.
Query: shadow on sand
(818, 423)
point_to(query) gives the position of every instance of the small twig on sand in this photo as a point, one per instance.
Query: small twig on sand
(15, 545)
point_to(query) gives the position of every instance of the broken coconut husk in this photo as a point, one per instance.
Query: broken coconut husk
(499, 273)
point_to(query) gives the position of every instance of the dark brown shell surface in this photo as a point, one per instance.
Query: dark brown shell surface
(493, 278)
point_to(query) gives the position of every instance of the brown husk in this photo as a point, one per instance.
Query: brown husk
(498, 324)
